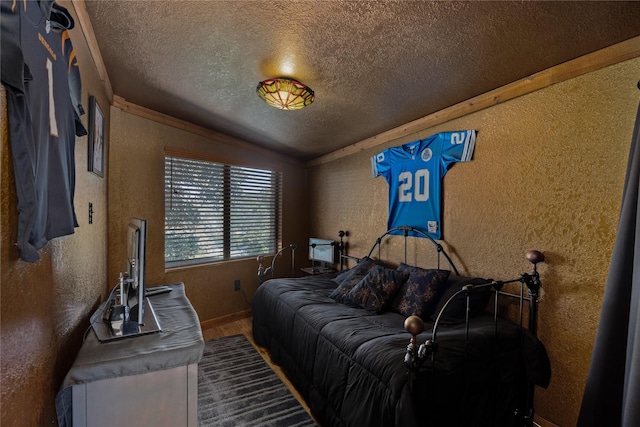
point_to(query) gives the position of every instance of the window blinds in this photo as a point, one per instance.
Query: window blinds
(216, 212)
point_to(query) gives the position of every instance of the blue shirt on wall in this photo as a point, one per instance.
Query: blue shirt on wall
(414, 172)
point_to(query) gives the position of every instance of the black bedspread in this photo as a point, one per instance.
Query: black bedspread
(348, 363)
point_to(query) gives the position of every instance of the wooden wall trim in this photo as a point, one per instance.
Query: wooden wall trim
(611, 55)
(226, 319)
(90, 37)
(137, 110)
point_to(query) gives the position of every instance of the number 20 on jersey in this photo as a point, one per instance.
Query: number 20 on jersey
(413, 186)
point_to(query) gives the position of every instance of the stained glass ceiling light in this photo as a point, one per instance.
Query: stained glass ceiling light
(285, 93)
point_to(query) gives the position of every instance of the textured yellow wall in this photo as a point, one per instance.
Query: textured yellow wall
(136, 188)
(45, 307)
(547, 174)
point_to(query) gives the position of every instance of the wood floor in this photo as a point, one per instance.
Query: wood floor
(243, 326)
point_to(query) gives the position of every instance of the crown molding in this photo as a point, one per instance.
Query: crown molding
(87, 30)
(137, 110)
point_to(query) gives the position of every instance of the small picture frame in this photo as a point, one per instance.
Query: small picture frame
(96, 138)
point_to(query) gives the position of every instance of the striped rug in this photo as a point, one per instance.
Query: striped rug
(236, 387)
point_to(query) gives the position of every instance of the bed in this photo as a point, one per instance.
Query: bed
(341, 340)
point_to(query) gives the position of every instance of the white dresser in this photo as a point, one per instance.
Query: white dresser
(146, 380)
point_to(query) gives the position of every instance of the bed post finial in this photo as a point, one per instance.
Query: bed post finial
(414, 325)
(535, 257)
(261, 270)
(341, 234)
(415, 355)
(532, 281)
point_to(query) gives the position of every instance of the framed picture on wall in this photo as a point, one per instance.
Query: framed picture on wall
(96, 138)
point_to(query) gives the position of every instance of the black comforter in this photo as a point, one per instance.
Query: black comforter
(348, 362)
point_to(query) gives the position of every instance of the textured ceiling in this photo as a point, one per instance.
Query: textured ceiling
(373, 65)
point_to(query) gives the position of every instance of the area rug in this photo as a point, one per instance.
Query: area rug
(236, 387)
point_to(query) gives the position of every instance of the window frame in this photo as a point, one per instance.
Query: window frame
(227, 243)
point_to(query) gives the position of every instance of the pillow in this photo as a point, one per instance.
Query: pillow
(456, 309)
(348, 279)
(421, 292)
(376, 290)
(360, 269)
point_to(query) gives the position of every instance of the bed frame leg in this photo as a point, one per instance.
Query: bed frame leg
(532, 282)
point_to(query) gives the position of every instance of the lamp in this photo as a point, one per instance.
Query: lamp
(285, 93)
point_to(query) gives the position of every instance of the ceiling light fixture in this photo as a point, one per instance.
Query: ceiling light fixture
(285, 93)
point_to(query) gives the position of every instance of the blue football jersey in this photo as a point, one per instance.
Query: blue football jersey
(414, 172)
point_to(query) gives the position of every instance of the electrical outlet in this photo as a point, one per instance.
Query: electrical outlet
(236, 285)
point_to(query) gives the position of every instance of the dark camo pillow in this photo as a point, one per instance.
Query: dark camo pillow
(350, 278)
(421, 292)
(376, 290)
(456, 309)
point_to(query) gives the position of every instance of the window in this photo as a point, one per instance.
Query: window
(216, 212)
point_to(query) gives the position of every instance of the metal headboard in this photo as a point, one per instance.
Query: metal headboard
(405, 229)
(263, 272)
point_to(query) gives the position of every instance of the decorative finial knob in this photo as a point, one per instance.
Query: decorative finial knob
(414, 325)
(535, 257)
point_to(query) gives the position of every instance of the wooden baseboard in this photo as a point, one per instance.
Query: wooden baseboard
(541, 422)
(225, 319)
